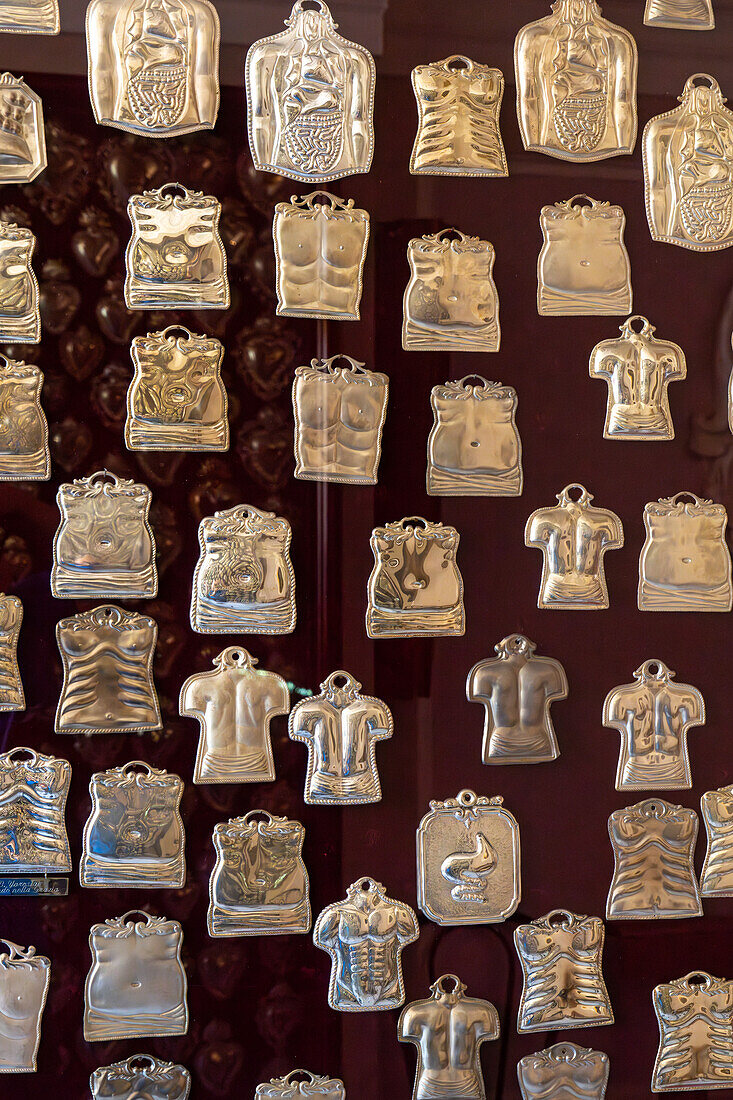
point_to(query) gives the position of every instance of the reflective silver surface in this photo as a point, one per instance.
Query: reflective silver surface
(364, 935)
(447, 1030)
(136, 985)
(104, 547)
(107, 654)
(24, 453)
(20, 315)
(415, 588)
(140, 1077)
(320, 248)
(29, 16)
(259, 885)
(12, 696)
(153, 65)
(24, 978)
(134, 835)
(175, 258)
(244, 581)
(234, 705)
(695, 1017)
(563, 1072)
(33, 792)
(716, 877)
(682, 15)
(340, 728)
(653, 848)
(561, 956)
(22, 133)
(310, 99)
(468, 861)
(516, 690)
(301, 1083)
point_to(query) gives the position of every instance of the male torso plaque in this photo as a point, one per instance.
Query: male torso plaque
(20, 315)
(564, 1071)
(681, 15)
(716, 878)
(29, 17)
(24, 453)
(24, 980)
(695, 1017)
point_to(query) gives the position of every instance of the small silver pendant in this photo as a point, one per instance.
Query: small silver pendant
(301, 1084)
(24, 978)
(12, 696)
(140, 1077)
(22, 133)
(24, 453)
(29, 17)
(33, 838)
(20, 314)
(563, 1071)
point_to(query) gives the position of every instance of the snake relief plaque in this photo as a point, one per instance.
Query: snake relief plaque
(12, 696)
(681, 15)
(29, 17)
(24, 979)
(22, 133)
(564, 1071)
(716, 878)
(468, 861)
(24, 452)
(301, 1084)
(140, 1077)
(695, 1018)
(310, 99)
(34, 788)
(20, 314)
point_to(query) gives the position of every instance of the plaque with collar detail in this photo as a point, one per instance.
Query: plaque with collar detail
(22, 133)
(140, 1077)
(24, 453)
(563, 1071)
(695, 1018)
(716, 879)
(20, 314)
(33, 792)
(681, 15)
(29, 17)
(301, 1084)
(12, 696)
(24, 980)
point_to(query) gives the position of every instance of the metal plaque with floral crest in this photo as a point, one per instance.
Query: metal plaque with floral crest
(22, 133)
(34, 845)
(20, 314)
(24, 452)
(24, 980)
(140, 1077)
(12, 696)
(695, 1018)
(29, 17)
(562, 1071)
(301, 1084)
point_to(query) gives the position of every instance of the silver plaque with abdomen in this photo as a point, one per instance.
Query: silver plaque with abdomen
(24, 979)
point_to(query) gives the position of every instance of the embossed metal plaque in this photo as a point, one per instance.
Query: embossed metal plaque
(136, 986)
(364, 935)
(573, 537)
(29, 17)
(716, 879)
(458, 107)
(107, 654)
(653, 716)
(561, 956)
(576, 84)
(474, 447)
(24, 978)
(685, 562)
(681, 15)
(653, 848)
(468, 861)
(637, 368)
(104, 547)
(563, 1071)
(310, 99)
(340, 728)
(695, 1017)
(244, 581)
(20, 314)
(688, 169)
(12, 696)
(415, 589)
(301, 1083)
(134, 835)
(259, 885)
(175, 258)
(141, 1077)
(24, 453)
(22, 133)
(447, 1030)
(583, 267)
(234, 705)
(320, 248)
(177, 400)
(450, 301)
(339, 413)
(153, 65)
(33, 838)
(517, 689)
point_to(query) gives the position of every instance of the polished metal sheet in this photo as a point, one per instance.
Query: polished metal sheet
(22, 133)
(301, 1083)
(458, 108)
(24, 978)
(107, 654)
(688, 169)
(450, 302)
(583, 267)
(20, 314)
(576, 84)
(685, 563)
(339, 414)
(175, 258)
(562, 1072)
(365, 935)
(468, 861)
(140, 1077)
(29, 17)
(320, 248)
(681, 15)
(33, 792)
(12, 696)
(104, 547)
(259, 884)
(136, 986)
(134, 835)
(24, 453)
(447, 1030)
(244, 581)
(653, 716)
(177, 400)
(653, 849)
(310, 99)
(561, 956)
(695, 1018)
(637, 368)
(153, 65)
(716, 878)
(234, 706)
(516, 689)
(574, 537)
(474, 447)
(415, 589)
(340, 728)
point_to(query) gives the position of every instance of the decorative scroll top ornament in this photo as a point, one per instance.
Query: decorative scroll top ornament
(688, 169)
(695, 1017)
(301, 1084)
(716, 880)
(576, 84)
(681, 15)
(29, 17)
(24, 978)
(12, 696)
(33, 793)
(24, 453)
(141, 1077)
(562, 1071)
(310, 99)
(154, 65)
(458, 107)
(22, 133)
(20, 314)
